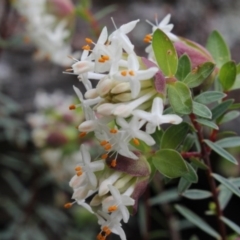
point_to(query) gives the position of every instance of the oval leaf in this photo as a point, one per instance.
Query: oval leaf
(183, 185)
(196, 194)
(216, 148)
(229, 142)
(207, 123)
(199, 74)
(218, 48)
(209, 97)
(191, 175)
(221, 108)
(196, 220)
(165, 53)
(224, 196)
(184, 67)
(229, 116)
(227, 75)
(231, 224)
(180, 98)
(174, 135)
(201, 110)
(170, 163)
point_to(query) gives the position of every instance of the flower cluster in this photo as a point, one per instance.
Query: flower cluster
(123, 111)
(44, 29)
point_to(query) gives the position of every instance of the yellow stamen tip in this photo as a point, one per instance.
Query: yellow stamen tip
(78, 168)
(131, 72)
(105, 57)
(88, 40)
(112, 208)
(136, 141)
(104, 156)
(113, 130)
(79, 173)
(67, 205)
(86, 47)
(72, 107)
(108, 146)
(113, 163)
(82, 134)
(104, 142)
(124, 73)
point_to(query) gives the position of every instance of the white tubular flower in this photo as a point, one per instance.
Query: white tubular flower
(110, 223)
(133, 129)
(117, 202)
(134, 75)
(156, 117)
(85, 205)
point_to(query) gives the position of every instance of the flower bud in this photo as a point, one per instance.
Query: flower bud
(62, 7)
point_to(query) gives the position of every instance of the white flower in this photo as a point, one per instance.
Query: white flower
(156, 117)
(117, 202)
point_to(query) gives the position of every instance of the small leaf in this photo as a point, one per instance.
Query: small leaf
(224, 196)
(191, 175)
(228, 184)
(226, 134)
(165, 53)
(227, 75)
(180, 98)
(157, 136)
(174, 135)
(184, 67)
(234, 106)
(216, 148)
(209, 97)
(218, 48)
(207, 123)
(229, 116)
(188, 143)
(221, 108)
(229, 142)
(198, 163)
(231, 224)
(199, 74)
(165, 197)
(196, 194)
(201, 110)
(196, 220)
(183, 185)
(170, 163)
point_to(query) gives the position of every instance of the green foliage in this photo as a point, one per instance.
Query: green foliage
(199, 74)
(180, 98)
(207, 123)
(220, 109)
(231, 224)
(209, 97)
(196, 194)
(170, 163)
(201, 110)
(184, 67)
(229, 116)
(218, 48)
(165, 53)
(229, 142)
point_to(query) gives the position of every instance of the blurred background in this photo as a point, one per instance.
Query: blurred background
(38, 140)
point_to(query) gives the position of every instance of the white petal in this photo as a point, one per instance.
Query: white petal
(128, 27)
(145, 137)
(171, 118)
(85, 205)
(103, 36)
(157, 106)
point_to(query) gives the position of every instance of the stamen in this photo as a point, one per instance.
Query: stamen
(101, 60)
(79, 173)
(104, 156)
(78, 168)
(124, 73)
(108, 146)
(68, 205)
(113, 163)
(74, 59)
(69, 70)
(104, 142)
(131, 72)
(72, 107)
(113, 130)
(82, 134)
(89, 40)
(107, 230)
(101, 237)
(105, 57)
(112, 208)
(86, 47)
(136, 141)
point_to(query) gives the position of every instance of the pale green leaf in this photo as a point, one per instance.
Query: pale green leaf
(196, 194)
(183, 185)
(218, 149)
(184, 67)
(209, 97)
(231, 224)
(221, 108)
(165, 197)
(191, 175)
(224, 196)
(229, 116)
(188, 143)
(207, 123)
(196, 220)
(201, 110)
(229, 142)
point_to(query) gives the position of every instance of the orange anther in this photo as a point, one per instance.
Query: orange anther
(82, 134)
(147, 40)
(108, 146)
(112, 208)
(86, 47)
(106, 230)
(104, 156)
(101, 60)
(124, 73)
(104, 142)
(131, 72)
(88, 40)
(148, 36)
(78, 168)
(113, 163)
(105, 57)
(101, 237)
(79, 173)
(67, 205)
(136, 141)
(113, 130)
(72, 107)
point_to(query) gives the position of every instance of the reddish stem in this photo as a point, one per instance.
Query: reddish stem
(191, 154)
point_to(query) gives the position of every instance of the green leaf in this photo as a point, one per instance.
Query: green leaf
(201, 110)
(165, 53)
(234, 106)
(170, 163)
(184, 67)
(218, 48)
(180, 98)
(227, 75)
(196, 194)
(224, 196)
(164, 197)
(226, 134)
(216, 148)
(196, 220)
(231, 224)
(207, 123)
(229, 142)
(174, 135)
(221, 108)
(188, 143)
(191, 175)
(198, 163)
(228, 184)
(157, 136)
(198, 75)
(229, 116)
(209, 97)
(183, 185)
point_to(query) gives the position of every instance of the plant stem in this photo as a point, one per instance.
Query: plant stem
(191, 154)
(205, 156)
